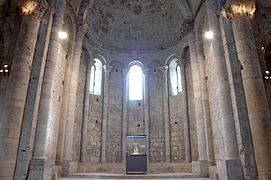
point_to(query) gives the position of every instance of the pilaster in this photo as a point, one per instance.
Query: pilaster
(164, 70)
(124, 115)
(83, 154)
(187, 143)
(223, 95)
(107, 70)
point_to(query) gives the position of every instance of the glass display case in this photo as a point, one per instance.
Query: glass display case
(136, 145)
(136, 154)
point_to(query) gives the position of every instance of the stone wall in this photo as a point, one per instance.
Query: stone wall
(136, 117)
(176, 129)
(94, 129)
(114, 125)
(157, 126)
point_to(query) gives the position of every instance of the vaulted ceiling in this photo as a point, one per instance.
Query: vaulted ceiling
(135, 25)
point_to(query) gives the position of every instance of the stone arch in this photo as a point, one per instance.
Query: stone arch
(136, 62)
(100, 57)
(70, 24)
(170, 58)
(184, 6)
(83, 10)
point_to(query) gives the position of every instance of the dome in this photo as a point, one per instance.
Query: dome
(135, 25)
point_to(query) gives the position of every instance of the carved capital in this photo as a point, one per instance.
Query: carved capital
(35, 8)
(186, 27)
(83, 28)
(125, 72)
(235, 8)
(146, 72)
(163, 69)
(107, 68)
(181, 62)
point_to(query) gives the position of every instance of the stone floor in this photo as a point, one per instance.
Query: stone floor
(107, 176)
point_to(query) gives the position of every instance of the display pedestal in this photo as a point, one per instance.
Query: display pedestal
(136, 164)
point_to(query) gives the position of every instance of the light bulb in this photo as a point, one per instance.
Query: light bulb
(1, 70)
(266, 77)
(6, 70)
(5, 66)
(62, 35)
(209, 35)
(267, 72)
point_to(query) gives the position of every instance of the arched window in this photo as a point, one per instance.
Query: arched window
(135, 83)
(175, 78)
(96, 74)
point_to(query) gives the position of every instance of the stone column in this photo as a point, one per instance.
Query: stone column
(231, 160)
(107, 70)
(68, 142)
(243, 130)
(187, 144)
(205, 101)
(42, 163)
(33, 96)
(11, 119)
(257, 105)
(64, 104)
(166, 112)
(124, 114)
(201, 166)
(83, 155)
(146, 109)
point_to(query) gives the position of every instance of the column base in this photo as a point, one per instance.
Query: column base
(42, 169)
(229, 170)
(68, 167)
(200, 167)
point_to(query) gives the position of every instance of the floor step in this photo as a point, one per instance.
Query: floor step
(106, 176)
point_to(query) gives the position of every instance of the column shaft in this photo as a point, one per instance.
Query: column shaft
(257, 105)
(32, 100)
(146, 109)
(205, 103)
(11, 120)
(244, 139)
(201, 166)
(44, 152)
(230, 156)
(68, 142)
(107, 70)
(124, 115)
(166, 113)
(187, 145)
(83, 155)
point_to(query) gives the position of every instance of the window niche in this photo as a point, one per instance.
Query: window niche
(96, 78)
(175, 78)
(135, 80)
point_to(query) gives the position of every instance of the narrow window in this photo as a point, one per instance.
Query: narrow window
(96, 78)
(179, 77)
(135, 83)
(175, 78)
